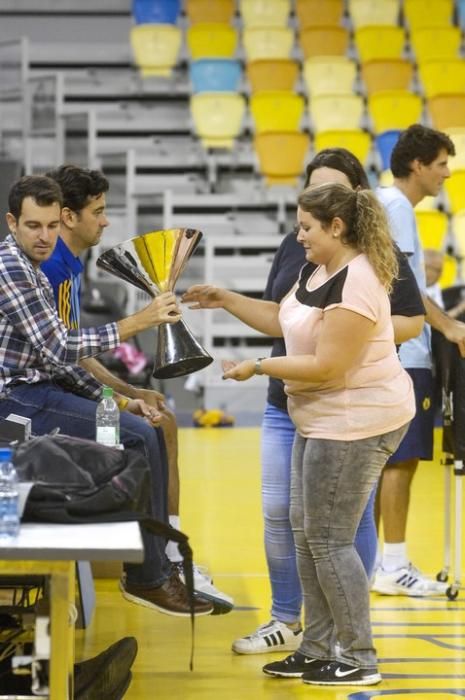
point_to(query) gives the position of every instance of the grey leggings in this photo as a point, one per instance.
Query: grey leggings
(330, 486)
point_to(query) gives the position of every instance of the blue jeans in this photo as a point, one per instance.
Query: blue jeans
(49, 406)
(330, 486)
(278, 435)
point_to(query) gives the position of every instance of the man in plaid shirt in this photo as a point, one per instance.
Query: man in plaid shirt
(40, 376)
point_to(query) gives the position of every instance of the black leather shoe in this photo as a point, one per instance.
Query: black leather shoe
(106, 675)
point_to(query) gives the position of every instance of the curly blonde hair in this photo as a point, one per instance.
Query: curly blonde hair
(367, 228)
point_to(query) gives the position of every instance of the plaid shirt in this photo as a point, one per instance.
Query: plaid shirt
(35, 345)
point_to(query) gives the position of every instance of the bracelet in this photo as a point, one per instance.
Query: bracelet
(122, 403)
(258, 365)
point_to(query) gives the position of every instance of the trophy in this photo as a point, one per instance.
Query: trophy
(153, 262)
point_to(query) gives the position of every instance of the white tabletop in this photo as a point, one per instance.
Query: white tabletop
(52, 542)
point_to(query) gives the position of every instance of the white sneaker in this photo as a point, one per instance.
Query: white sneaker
(203, 585)
(406, 581)
(272, 636)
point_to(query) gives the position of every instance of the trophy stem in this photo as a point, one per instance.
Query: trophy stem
(178, 352)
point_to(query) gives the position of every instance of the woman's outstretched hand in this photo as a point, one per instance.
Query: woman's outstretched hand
(240, 371)
(204, 296)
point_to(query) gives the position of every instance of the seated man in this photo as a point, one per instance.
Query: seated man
(40, 376)
(83, 220)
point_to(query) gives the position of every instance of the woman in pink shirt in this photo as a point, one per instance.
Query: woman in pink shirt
(351, 402)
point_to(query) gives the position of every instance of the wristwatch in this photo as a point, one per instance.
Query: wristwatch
(258, 365)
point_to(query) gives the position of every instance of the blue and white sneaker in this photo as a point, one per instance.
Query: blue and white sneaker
(406, 581)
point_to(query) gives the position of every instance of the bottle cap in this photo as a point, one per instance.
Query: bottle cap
(107, 392)
(6, 454)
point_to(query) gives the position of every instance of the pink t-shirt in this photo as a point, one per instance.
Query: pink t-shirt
(376, 395)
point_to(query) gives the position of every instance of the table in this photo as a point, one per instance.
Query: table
(44, 549)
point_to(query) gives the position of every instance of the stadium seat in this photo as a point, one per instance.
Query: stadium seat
(356, 141)
(379, 42)
(394, 109)
(314, 13)
(457, 162)
(272, 74)
(432, 228)
(215, 75)
(447, 111)
(217, 117)
(326, 75)
(281, 156)
(276, 110)
(385, 142)
(220, 11)
(265, 13)
(386, 178)
(439, 77)
(427, 204)
(435, 43)
(461, 12)
(269, 42)
(328, 112)
(211, 40)
(387, 74)
(324, 41)
(365, 13)
(155, 48)
(450, 270)
(156, 11)
(454, 187)
(428, 13)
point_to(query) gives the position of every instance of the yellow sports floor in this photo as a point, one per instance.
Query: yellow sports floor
(420, 642)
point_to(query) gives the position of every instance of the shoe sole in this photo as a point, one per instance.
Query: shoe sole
(390, 590)
(152, 606)
(374, 679)
(283, 674)
(267, 650)
(106, 674)
(220, 606)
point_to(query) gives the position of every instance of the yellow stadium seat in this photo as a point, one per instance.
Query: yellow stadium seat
(458, 229)
(435, 43)
(378, 42)
(265, 13)
(276, 110)
(269, 42)
(365, 13)
(217, 117)
(457, 162)
(432, 228)
(328, 112)
(394, 109)
(281, 156)
(155, 48)
(211, 40)
(386, 178)
(326, 75)
(428, 13)
(356, 141)
(324, 41)
(447, 111)
(454, 187)
(314, 13)
(272, 74)
(387, 74)
(449, 273)
(207, 11)
(427, 204)
(439, 77)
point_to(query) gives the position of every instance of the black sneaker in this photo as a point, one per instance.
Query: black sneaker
(293, 666)
(338, 673)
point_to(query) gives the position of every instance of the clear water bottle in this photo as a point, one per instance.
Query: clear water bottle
(107, 419)
(9, 497)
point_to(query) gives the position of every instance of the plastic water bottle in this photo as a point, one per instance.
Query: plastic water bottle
(107, 419)
(9, 497)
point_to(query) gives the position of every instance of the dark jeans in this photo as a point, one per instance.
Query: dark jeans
(49, 406)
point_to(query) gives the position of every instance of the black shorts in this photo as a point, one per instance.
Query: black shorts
(418, 441)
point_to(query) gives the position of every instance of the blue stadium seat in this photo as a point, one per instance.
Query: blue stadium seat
(385, 142)
(156, 11)
(215, 75)
(461, 12)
